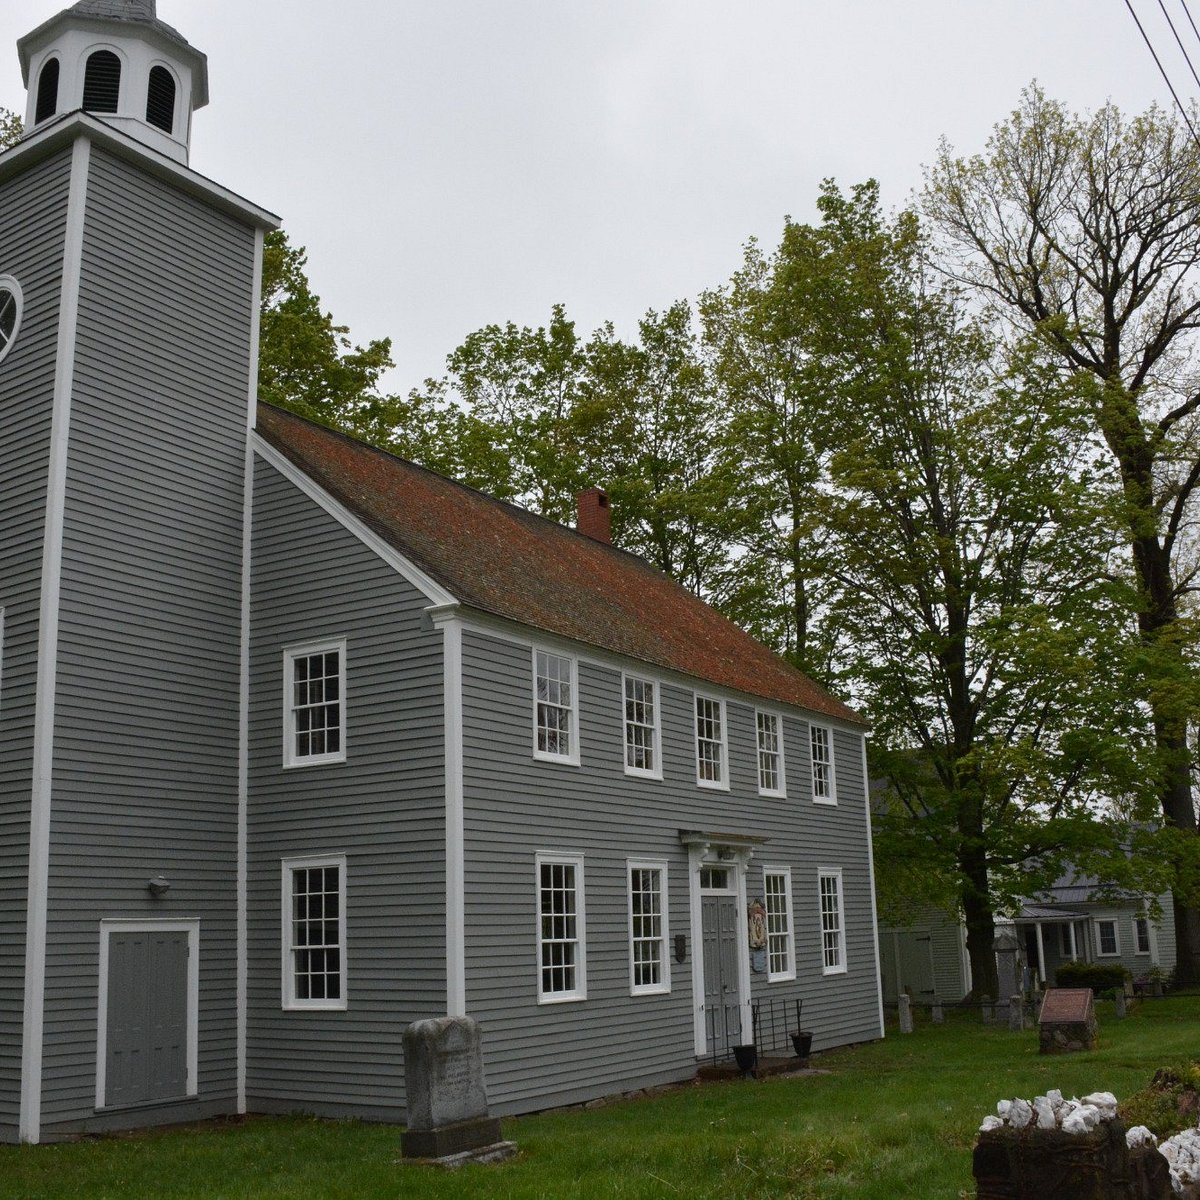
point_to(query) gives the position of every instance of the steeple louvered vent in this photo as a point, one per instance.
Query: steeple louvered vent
(102, 82)
(160, 99)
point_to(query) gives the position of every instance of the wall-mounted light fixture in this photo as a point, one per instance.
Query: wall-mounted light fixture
(159, 885)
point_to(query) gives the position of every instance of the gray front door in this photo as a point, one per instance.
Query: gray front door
(722, 1011)
(146, 1040)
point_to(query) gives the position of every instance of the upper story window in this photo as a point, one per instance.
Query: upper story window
(1106, 938)
(47, 92)
(642, 725)
(649, 969)
(160, 99)
(555, 719)
(821, 750)
(314, 932)
(314, 718)
(560, 933)
(711, 752)
(770, 754)
(11, 304)
(102, 82)
(833, 938)
(781, 958)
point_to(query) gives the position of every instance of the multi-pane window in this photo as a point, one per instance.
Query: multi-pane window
(770, 753)
(821, 753)
(710, 742)
(833, 946)
(10, 313)
(560, 928)
(777, 887)
(315, 709)
(1106, 936)
(641, 727)
(314, 933)
(1141, 926)
(554, 706)
(648, 967)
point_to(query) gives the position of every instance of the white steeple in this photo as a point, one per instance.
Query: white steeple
(118, 61)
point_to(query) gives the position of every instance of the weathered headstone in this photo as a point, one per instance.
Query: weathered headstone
(1048, 1164)
(905, 1002)
(1120, 1002)
(448, 1121)
(985, 1009)
(937, 1014)
(1067, 1021)
(1016, 1013)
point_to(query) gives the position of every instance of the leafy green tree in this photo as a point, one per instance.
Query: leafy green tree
(306, 362)
(1082, 231)
(11, 128)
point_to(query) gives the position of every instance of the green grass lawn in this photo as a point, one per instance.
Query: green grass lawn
(894, 1119)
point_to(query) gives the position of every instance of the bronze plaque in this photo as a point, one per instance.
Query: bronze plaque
(1066, 1006)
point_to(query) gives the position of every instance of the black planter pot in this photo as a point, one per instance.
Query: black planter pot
(746, 1058)
(802, 1041)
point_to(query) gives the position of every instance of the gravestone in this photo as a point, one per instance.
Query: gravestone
(1119, 998)
(938, 1015)
(1067, 1021)
(448, 1121)
(906, 1022)
(1016, 1013)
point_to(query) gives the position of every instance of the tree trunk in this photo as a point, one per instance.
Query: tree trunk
(981, 925)
(1157, 625)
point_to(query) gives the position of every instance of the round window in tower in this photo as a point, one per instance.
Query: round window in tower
(10, 313)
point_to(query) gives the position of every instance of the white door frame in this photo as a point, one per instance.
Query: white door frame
(188, 925)
(710, 850)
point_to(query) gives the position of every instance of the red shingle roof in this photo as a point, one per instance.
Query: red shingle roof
(500, 559)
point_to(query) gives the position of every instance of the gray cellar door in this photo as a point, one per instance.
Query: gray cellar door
(146, 1055)
(722, 1012)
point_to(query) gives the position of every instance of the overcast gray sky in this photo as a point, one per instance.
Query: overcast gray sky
(449, 163)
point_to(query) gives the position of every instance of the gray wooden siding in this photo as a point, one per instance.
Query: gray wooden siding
(146, 739)
(543, 1055)
(32, 224)
(383, 808)
(929, 949)
(1162, 932)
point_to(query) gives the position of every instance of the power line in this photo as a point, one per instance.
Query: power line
(1162, 71)
(1179, 42)
(1186, 13)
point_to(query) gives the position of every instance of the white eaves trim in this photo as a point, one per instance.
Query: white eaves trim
(408, 570)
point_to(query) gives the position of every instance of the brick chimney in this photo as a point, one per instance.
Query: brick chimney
(595, 516)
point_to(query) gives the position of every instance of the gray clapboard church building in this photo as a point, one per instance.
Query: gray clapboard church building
(300, 742)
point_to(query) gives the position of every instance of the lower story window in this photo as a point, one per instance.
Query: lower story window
(648, 967)
(1141, 926)
(314, 932)
(777, 886)
(1106, 937)
(561, 963)
(833, 942)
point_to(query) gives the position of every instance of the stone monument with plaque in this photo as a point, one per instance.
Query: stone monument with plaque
(448, 1121)
(1067, 1021)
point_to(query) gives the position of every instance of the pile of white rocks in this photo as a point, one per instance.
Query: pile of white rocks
(1182, 1152)
(1051, 1111)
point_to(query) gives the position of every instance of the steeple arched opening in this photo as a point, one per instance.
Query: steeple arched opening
(102, 82)
(47, 92)
(160, 99)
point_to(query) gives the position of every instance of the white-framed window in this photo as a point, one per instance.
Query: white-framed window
(314, 703)
(820, 742)
(561, 950)
(712, 769)
(781, 948)
(649, 966)
(643, 723)
(12, 303)
(1107, 943)
(1141, 927)
(833, 936)
(314, 932)
(769, 730)
(555, 710)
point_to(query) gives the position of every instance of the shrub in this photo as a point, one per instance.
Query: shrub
(1169, 1104)
(1100, 977)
